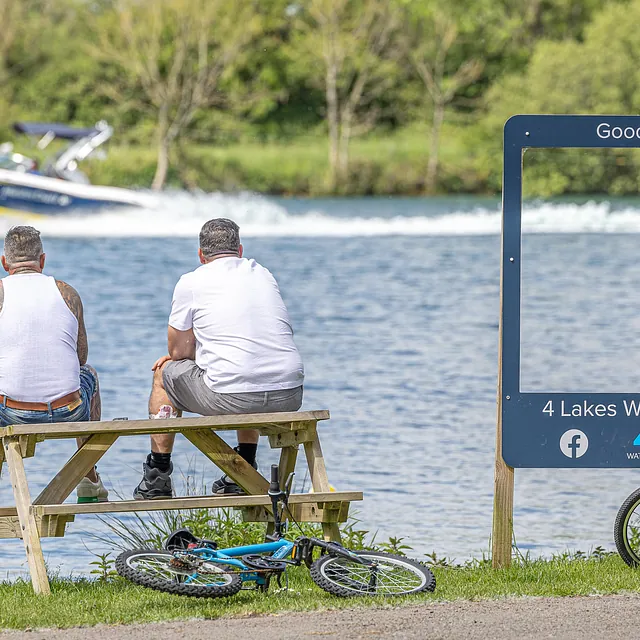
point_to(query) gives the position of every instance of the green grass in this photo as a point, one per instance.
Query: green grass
(85, 602)
(379, 165)
(111, 600)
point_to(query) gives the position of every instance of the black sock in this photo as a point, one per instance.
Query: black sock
(160, 461)
(248, 452)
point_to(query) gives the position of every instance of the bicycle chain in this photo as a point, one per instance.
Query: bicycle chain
(177, 563)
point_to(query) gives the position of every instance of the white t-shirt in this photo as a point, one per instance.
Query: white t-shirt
(244, 339)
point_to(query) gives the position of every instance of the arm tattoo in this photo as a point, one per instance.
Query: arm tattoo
(73, 301)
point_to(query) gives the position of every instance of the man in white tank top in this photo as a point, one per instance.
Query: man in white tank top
(44, 376)
(231, 351)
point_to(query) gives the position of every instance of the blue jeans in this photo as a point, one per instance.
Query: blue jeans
(78, 411)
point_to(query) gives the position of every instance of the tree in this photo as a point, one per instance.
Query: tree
(433, 40)
(173, 55)
(347, 49)
(23, 50)
(49, 79)
(598, 75)
(10, 15)
(21, 26)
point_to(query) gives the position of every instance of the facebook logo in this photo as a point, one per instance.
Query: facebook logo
(574, 443)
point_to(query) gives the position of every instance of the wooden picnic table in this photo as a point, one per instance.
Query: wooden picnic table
(48, 514)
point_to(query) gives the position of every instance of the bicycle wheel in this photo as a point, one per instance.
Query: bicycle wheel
(626, 530)
(159, 570)
(390, 575)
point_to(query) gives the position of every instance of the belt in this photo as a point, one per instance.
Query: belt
(40, 406)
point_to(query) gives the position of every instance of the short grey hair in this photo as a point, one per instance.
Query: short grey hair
(22, 244)
(219, 236)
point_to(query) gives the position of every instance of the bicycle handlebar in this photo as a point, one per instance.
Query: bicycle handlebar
(274, 487)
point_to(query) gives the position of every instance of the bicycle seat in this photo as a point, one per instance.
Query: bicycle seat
(182, 538)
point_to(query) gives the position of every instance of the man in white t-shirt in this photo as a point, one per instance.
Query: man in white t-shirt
(231, 350)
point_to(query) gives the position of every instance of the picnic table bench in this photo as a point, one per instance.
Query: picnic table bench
(48, 514)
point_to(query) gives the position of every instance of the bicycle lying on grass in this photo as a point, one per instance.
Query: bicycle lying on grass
(196, 567)
(626, 530)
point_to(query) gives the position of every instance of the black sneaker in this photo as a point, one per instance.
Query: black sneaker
(224, 486)
(155, 484)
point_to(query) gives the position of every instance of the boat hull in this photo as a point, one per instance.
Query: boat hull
(23, 193)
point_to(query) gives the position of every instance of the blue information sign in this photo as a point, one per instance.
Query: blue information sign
(557, 429)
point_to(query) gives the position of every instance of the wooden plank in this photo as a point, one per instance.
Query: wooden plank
(503, 488)
(320, 482)
(28, 445)
(317, 468)
(195, 502)
(48, 526)
(28, 525)
(53, 526)
(331, 532)
(61, 524)
(286, 421)
(80, 463)
(301, 513)
(287, 466)
(305, 432)
(10, 527)
(228, 460)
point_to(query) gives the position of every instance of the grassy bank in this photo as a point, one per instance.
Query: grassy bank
(395, 164)
(390, 165)
(86, 602)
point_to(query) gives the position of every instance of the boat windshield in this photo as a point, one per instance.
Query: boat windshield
(82, 142)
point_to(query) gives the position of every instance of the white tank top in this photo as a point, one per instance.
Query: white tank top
(38, 340)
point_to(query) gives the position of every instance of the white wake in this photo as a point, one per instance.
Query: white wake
(182, 215)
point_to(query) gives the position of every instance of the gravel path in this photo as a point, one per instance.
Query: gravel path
(606, 617)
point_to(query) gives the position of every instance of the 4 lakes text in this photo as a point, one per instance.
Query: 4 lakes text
(586, 409)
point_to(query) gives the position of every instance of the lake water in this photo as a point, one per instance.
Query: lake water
(395, 307)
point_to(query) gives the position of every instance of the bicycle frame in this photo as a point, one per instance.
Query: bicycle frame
(278, 549)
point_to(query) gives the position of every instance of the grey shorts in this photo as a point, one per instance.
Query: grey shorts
(184, 383)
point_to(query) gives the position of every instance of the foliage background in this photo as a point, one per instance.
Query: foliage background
(439, 79)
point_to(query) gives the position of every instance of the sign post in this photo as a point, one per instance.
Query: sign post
(550, 430)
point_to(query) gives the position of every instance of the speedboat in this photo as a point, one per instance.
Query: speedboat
(60, 187)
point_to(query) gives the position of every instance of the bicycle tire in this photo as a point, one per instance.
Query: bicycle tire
(331, 574)
(621, 530)
(125, 566)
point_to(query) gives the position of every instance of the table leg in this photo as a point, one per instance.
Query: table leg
(30, 535)
(320, 482)
(288, 457)
(76, 468)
